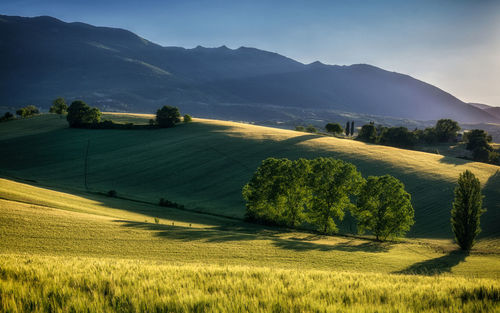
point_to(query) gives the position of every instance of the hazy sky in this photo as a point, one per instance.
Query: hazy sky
(453, 44)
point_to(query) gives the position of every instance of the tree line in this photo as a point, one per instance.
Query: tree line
(319, 192)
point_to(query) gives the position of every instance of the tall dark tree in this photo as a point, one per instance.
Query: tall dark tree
(347, 129)
(352, 128)
(467, 209)
(59, 106)
(167, 116)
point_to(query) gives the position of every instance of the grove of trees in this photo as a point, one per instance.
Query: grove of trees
(467, 209)
(167, 116)
(59, 106)
(320, 191)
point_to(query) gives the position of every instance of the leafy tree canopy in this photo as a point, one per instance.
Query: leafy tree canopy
(167, 116)
(28, 111)
(368, 133)
(334, 128)
(384, 208)
(59, 106)
(446, 130)
(80, 114)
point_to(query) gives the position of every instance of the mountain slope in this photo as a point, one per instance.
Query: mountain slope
(42, 58)
(204, 165)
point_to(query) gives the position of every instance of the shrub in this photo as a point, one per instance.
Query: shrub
(28, 111)
(187, 118)
(311, 129)
(334, 128)
(300, 128)
(7, 117)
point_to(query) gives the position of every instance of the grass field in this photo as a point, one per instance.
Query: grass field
(63, 252)
(64, 249)
(204, 165)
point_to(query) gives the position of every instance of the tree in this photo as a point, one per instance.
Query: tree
(59, 106)
(467, 209)
(446, 130)
(333, 182)
(398, 136)
(368, 133)
(347, 129)
(300, 128)
(477, 138)
(384, 207)
(352, 128)
(167, 116)
(7, 117)
(334, 128)
(187, 118)
(28, 111)
(311, 129)
(80, 114)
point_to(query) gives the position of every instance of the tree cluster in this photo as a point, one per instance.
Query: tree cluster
(59, 106)
(7, 117)
(28, 111)
(320, 191)
(167, 116)
(445, 131)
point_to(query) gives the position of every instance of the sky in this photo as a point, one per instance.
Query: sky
(453, 44)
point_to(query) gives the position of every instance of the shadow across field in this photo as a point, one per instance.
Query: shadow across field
(221, 234)
(436, 266)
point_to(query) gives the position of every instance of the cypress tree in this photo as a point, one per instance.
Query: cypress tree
(347, 128)
(352, 128)
(467, 209)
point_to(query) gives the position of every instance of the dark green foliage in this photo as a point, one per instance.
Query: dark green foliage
(446, 130)
(59, 106)
(111, 193)
(167, 116)
(384, 208)
(152, 122)
(467, 209)
(187, 118)
(398, 136)
(7, 117)
(284, 192)
(347, 128)
(368, 133)
(81, 115)
(478, 141)
(334, 128)
(300, 128)
(352, 128)
(311, 129)
(28, 111)
(171, 204)
(333, 183)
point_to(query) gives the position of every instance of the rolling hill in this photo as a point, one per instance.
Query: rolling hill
(42, 58)
(204, 165)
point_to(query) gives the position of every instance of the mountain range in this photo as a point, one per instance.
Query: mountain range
(42, 58)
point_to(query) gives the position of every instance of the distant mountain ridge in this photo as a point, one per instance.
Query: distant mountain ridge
(42, 58)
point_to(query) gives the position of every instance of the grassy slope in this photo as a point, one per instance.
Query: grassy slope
(204, 165)
(64, 252)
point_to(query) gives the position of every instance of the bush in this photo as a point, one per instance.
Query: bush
(28, 111)
(7, 117)
(81, 115)
(167, 116)
(467, 209)
(187, 118)
(334, 128)
(398, 136)
(311, 129)
(300, 128)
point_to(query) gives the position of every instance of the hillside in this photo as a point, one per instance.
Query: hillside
(42, 58)
(83, 252)
(204, 165)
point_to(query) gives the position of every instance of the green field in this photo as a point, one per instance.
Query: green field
(204, 165)
(65, 249)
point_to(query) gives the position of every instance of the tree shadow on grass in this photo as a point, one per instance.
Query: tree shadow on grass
(436, 266)
(221, 234)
